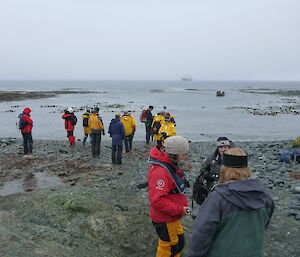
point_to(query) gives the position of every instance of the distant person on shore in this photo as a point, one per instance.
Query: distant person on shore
(149, 119)
(129, 123)
(167, 129)
(96, 128)
(233, 218)
(117, 133)
(210, 170)
(166, 186)
(85, 124)
(70, 122)
(25, 124)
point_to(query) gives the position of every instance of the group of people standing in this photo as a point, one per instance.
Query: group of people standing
(234, 212)
(159, 127)
(231, 220)
(121, 130)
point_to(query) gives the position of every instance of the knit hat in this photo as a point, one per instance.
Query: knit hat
(223, 141)
(70, 110)
(176, 145)
(118, 115)
(235, 161)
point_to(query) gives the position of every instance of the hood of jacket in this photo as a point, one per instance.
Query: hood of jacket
(158, 154)
(247, 194)
(27, 110)
(115, 120)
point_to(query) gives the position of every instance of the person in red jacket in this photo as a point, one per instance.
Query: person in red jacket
(26, 133)
(166, 186)
(70, 122)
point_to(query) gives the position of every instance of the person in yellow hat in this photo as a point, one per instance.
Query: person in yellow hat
(167, 129)
(129, 123)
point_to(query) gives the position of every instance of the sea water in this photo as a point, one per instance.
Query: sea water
(200, 115)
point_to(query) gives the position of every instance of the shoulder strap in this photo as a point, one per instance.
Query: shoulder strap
(179, 182)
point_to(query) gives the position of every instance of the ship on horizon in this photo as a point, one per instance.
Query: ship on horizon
(186, 78)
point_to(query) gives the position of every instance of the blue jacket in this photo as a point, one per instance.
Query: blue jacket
(116, 131)
(232, 221)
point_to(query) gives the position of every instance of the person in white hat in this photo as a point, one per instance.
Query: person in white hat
(166, 187)
(70, 122)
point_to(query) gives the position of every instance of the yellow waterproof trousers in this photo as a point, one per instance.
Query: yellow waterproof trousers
(171, 239)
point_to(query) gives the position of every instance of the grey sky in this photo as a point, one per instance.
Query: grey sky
(158, 39)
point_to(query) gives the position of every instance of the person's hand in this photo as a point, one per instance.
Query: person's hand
(186, 211)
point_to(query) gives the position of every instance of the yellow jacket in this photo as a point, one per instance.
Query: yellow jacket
(129, 123)
(158, 118)
(168, 129)
(86, 130)
(95, 123)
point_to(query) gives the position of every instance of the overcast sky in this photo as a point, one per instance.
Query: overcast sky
(157, 39)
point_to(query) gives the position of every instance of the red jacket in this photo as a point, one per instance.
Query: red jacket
(26, 118)
(68, 122)
(165, 206)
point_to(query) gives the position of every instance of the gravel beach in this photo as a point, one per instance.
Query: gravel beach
(63, 202)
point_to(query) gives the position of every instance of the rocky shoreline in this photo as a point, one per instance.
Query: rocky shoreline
(94, 208)
(12, 96)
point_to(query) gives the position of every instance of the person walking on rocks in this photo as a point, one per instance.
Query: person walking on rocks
(85, 124)
(96, 127)
(70, 122)
(129, 123)
(25, 125)
(166, 187)
(117, 133)
(233, 218)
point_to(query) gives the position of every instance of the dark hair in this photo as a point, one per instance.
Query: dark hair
(151, 107)
(66, 111)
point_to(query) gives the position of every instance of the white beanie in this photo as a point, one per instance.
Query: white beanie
(176, 145)
(70, 110)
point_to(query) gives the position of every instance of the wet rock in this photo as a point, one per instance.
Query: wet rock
(297, 190)
(121, 207)
(142, 185)
(63, 150)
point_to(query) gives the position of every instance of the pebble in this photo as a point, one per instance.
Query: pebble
(297, 190)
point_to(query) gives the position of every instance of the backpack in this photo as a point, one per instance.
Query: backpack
(156, 127)
(287, 155)
(200, 190)
(20, 122)
(85, 122)
(143, 116)
(73, 119)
